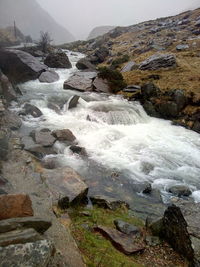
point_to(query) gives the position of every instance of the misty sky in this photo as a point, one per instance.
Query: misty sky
(81, 16)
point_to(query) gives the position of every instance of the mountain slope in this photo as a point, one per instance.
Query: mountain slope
(98, 31)
(31, 19)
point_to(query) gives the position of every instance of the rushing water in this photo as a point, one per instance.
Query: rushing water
(118, 136)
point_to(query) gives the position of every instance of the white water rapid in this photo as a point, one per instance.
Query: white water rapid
(119, 135)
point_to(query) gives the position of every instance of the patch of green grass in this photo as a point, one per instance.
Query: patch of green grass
(97, 251)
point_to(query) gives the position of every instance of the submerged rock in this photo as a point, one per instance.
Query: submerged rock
(66, 185)
(180, 190)
(32, 110)
(35, 254)
(12, 206)
(20, 66)
(158, 61)
(49, 76)
(121, 241)
(58, 60)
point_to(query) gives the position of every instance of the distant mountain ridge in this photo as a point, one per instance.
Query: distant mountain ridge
(31, 18)
(98, 31)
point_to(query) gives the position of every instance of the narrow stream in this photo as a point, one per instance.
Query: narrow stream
(126, 148)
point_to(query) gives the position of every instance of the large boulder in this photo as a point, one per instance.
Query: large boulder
(36, 254)
(43, 137)
(12, 206)
(84, 64)
(58, 60)
(82, 81)
(66, 185)
(101, 85)
(49, 76)
(7, 88)
(20, 66)
(64, 135)
(149, 90)
(11, 120)
(158, 61)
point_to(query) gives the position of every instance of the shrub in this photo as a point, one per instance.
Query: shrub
(120, 60)
(114, 77)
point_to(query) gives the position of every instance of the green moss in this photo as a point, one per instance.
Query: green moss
(97, 251)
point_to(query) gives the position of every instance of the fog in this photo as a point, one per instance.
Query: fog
(81, 16)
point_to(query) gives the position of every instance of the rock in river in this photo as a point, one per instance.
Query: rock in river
(49, 76)
(58, 60)
(64, 135)
(82, 81)
(84, 64)
(66, 185)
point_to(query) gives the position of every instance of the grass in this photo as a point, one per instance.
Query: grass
(98, 251)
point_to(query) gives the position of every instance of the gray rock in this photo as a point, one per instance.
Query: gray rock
(180, 190)
(58, 60)
(49, 76)
(197, 23)
(44, 137)
(54, 107)
(35, 254)
(182, 47)
(126, 228)
(72, 102)
(107, 202)
(78, 150)
(149, 90)
(39, 224)
(179, 97)
(20, 66)
(158, 61)
(129, 66)
(4, 145)
(32, 110)
(19, 237)
(66, 185)
(84, 64)
(7, 88)
(12, 120)
(64, 135)
(101, 85)
(81, 81)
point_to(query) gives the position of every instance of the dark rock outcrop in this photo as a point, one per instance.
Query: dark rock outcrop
(84, 64)
(7, 89)
(49, 76)
(158, 61)
(73, 102)
(180, 190)
(64, 135)
(20, 66)
(58, 60)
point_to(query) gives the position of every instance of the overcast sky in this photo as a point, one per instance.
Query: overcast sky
(81, 16)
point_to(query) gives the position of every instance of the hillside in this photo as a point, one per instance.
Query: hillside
(31, 19)
(98, 31)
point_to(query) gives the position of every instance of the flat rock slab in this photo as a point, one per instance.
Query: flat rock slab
(49, 76)
(107, 202)
(126, 228)
(35, 254)
(158, 61)
(21, 236)
(81, 81)
(12, 206)
(101, 85)
(44, 137)
(66, 186)
(121, 241)
(39, 224)
(129, 66)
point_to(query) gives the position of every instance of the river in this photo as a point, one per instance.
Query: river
(126, 148)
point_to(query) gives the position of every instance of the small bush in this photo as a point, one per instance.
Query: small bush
(120, 60)
(114, 77)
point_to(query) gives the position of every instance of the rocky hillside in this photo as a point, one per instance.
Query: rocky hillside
(164, 53)
(32, 19)
(98, 31)
(9, 37)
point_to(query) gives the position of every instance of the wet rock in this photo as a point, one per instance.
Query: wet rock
(37, 150)
(21, 236)
(129, 66)
(84, 64)
(44, 137)
(180, 190)
(81, 81)
(182, 47)
(107, 202)
(101, 54)
(101, 85)
(78, 150)
(4, 145)
(58, 60)
(168, 109)
(158, 61)
(179, 97)
(121, 241)
(149, 90)
(64, 135)
(72, 102)
(20, 66)
(49, 76)
(150, 109)
(40, 225)
(147, 189)
(35, 254)
(7, 88)
(196, 126)
(12, 206)
(54, 107)
(126, 228)
(51, 163)
(11, 120)
(66, 185)
(32, 110)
